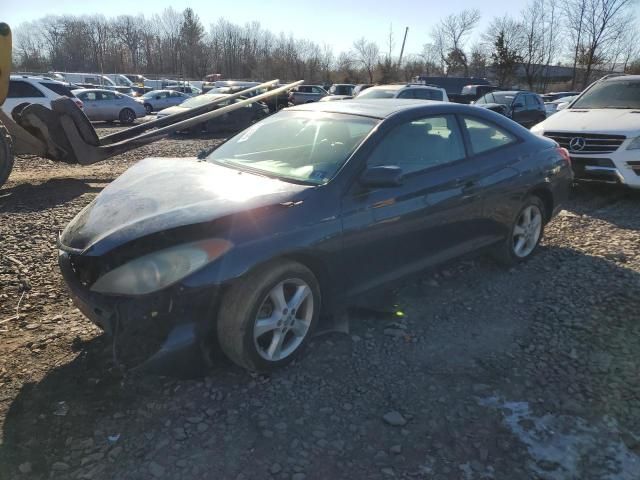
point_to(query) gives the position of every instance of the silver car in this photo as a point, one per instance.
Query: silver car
(157, 100)
(107, 105)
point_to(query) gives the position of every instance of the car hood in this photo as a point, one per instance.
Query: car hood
(603, 120)
(159, 194)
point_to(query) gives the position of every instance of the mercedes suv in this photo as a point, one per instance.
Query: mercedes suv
(601, 130)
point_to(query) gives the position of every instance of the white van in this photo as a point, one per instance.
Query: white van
(119, 79)
(92, 78)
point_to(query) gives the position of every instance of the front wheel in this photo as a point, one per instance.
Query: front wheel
(148, 108)
(524, 235)
(127, 116)
(6, 154)
(267, 318)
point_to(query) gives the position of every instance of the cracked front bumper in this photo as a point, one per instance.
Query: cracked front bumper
(158, 333)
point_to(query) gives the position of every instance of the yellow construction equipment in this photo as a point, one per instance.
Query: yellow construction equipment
(5, 60)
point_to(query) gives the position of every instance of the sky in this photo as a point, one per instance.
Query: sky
(336, 23)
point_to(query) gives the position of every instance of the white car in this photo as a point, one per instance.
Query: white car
(601, 130)
(557, 105)
(422, 92)
(30, 89)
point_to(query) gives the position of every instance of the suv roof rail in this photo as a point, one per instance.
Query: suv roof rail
(612, 75)
(413, 84)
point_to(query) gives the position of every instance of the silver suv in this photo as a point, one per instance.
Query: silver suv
(307, 94)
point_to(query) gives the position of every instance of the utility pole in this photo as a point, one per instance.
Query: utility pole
(404, 40)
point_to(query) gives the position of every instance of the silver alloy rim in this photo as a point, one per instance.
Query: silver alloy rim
(129, 116)
(283, 319)
(527, 231)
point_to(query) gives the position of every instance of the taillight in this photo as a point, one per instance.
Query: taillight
(79, 103)
(564, 153)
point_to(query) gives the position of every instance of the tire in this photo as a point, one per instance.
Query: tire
(6, 154)
(251, 298)
(127, 116)
(511, 251)
(148, 108)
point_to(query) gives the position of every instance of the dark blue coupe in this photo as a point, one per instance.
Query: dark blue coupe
(301, 213)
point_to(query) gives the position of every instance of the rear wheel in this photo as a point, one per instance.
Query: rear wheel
(266, 320)
(127, 116)
(525, 233)
(6, 154)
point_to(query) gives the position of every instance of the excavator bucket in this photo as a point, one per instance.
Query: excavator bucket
(69, 136)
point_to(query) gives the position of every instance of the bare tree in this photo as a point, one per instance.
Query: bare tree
(594, 27)
(479, 60)
(127, 30)
(450, 35)
(367, 55)
(533, 52)
(575, 12)
(391, 43)
(431, 60)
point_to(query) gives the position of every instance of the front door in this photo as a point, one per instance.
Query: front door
(390, 232)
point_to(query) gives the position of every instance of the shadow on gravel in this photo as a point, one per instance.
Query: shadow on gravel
(597, 315)
(29, 197)
(603, 202)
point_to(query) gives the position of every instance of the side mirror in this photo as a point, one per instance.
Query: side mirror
(382, 177)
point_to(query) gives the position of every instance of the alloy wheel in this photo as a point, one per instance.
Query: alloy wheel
(283, 319)
(527, 230)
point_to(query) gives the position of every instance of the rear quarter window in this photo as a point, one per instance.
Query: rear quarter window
(20, 89)
(486, 136)
(58, 88)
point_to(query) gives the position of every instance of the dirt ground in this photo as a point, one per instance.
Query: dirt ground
(532, 372)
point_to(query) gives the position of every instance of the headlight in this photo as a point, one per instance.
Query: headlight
(537, 130)
(635, 144)
(158, 270)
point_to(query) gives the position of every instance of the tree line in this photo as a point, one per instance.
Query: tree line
(590, 36)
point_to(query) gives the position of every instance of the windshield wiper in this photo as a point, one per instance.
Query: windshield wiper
(262, 173)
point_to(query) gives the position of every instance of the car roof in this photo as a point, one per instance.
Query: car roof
(510, 92)
(620, 78)
(36, 79)
(400, 86)
(377, 108)
(105, 90)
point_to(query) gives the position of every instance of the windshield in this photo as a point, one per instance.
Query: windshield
(378, 93)
(616, 94)
(502, 98)
(298, 146)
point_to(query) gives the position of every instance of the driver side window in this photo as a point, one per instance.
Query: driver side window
(420, 144)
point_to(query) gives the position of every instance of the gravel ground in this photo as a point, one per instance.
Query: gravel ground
(532, 372)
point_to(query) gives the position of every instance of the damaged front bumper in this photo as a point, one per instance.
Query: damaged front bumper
(160, 333)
